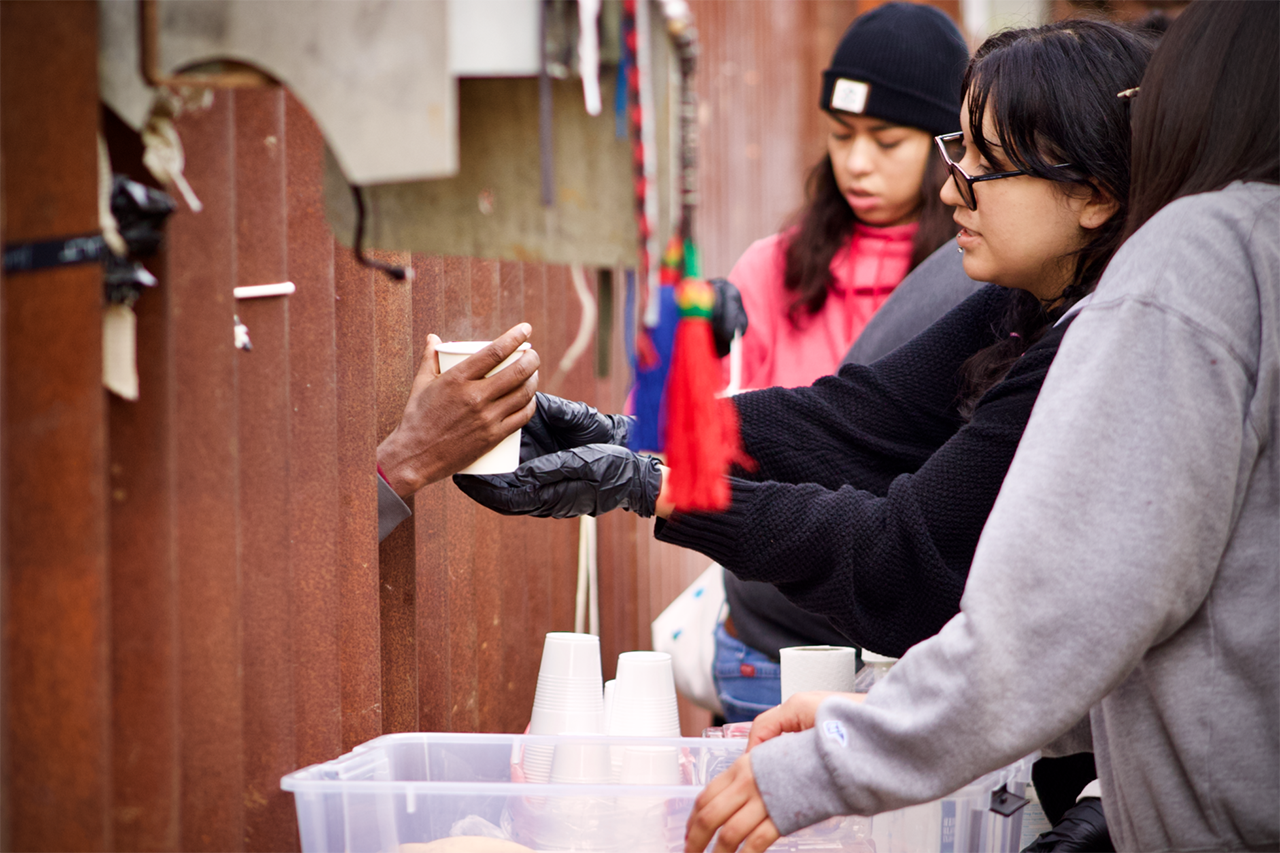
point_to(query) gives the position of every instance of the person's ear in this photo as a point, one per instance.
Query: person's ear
(1099, 207)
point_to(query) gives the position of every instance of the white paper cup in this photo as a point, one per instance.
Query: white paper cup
(569, 696)
(577, 763)
(650, 765)
(504, 458)
(644, 702)
(807, 668)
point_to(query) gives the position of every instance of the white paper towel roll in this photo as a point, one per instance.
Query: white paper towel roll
(817, 668)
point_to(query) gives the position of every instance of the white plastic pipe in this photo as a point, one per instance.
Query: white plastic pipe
(258, 291)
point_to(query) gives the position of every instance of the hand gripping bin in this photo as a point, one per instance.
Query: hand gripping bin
(403, 790)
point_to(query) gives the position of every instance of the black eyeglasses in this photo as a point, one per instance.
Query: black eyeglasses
(951, 147)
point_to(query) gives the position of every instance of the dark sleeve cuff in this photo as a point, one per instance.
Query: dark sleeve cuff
(716, 534)
(391, 510)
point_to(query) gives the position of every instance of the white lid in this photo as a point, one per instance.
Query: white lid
(872, 657)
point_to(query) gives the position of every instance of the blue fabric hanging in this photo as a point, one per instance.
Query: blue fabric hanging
(647, 398)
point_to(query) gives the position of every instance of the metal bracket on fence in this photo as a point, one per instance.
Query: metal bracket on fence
(22, 257)
(1005, 802)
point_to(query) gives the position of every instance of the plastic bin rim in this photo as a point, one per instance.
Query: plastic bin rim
(300, 781)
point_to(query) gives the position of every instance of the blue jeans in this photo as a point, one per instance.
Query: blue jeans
(747, 681)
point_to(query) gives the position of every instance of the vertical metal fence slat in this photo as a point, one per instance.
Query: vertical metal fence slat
(457, 543)
(395, 364)
(536, 559)
(205, 447)
(264, 423)
(360, 626)
(56, 690)
(432, 580)
(144, 616)
(515, 661)
(5, 688)
(558, 320)
(314, 499)
(487, 532)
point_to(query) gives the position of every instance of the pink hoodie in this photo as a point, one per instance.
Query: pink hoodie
(776, 352)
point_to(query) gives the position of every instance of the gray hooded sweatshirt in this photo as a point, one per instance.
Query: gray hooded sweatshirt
(1130, 568)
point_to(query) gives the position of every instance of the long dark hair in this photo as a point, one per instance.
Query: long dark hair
(1208, 112)
(823, 225)
(1051, 92)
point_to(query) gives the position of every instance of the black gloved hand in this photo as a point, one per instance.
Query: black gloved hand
(586, 480)
(728, 317)
(1083, 828)
(560, 424)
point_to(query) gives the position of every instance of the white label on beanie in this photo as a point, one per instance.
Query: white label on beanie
(850, 96)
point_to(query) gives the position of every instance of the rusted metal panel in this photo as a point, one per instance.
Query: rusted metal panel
(514, 696)
(458, 513)
(564, 533)
(205, 447)
(360, 625)
(432, 579)
(314, 510)
(144, 616)
(488, 531)
(534, 564)
(5, 824)
(395, 363)
(56, 691)
(264, 419)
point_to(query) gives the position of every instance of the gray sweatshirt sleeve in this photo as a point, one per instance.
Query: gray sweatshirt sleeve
(1103, 543)
(391, 510)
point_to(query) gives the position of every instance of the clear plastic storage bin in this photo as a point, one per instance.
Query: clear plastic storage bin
(417, 788)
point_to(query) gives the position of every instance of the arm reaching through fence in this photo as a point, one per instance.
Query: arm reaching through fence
(453, 418)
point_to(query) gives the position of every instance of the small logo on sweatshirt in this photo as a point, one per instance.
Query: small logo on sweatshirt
(834, 730)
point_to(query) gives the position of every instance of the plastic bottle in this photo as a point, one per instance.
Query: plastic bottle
(874, 668)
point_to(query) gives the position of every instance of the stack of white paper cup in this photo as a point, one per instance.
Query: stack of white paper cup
(569, 698)
(504, 458)
(644, 700)
(644, 705)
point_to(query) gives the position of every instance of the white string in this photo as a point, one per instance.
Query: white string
(589, 54)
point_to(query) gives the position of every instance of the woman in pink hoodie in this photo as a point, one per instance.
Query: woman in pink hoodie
(873, 211)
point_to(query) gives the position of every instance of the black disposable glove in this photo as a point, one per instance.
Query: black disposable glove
(728, 317)
(588, 480)
(1082, 828)
(560, 424)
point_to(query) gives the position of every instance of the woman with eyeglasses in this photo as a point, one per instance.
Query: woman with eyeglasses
(872, 486)
(1130, 568)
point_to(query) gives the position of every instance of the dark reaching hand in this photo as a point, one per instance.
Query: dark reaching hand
(728, 317)
(585, 480)
(561, 424)
(1083, 828)
(453, 418)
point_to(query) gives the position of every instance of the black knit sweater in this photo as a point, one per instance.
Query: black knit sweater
(871, 489)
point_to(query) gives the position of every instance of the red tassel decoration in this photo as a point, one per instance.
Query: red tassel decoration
(702, 436)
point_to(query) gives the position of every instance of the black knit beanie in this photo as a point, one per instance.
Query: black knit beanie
(900, 62)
